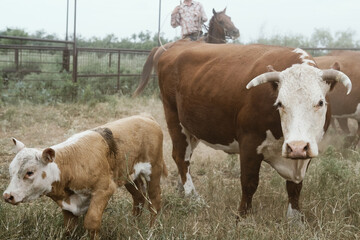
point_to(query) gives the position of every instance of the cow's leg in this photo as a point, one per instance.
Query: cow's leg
(70, 221)
(293, 190)
(358, 134)
(99, 200)
(183, 146)
(250, 163)
(136, 188)
(343, 123)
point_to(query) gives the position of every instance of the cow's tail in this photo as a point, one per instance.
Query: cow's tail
(147, 70)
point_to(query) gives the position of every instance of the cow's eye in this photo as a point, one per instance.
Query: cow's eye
(279, 105)
(320, 103)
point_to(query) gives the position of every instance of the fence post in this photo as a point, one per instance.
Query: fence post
(118, 75)
(75, 58)
(17, 59)
(75, 51)
(110, 54)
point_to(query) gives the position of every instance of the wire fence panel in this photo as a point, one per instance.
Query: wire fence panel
(117, 69)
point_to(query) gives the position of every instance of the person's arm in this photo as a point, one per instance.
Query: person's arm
(175, 17)
(203, 14)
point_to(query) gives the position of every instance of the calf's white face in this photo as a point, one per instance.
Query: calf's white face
(302, 107)
(32, 173)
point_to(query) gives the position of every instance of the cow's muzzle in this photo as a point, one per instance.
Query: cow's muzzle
(298, 150)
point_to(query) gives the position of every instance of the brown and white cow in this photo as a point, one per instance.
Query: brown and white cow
(344, 107)
(82, 173)
(210, 94)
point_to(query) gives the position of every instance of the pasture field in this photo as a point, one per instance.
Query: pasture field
(330, 198)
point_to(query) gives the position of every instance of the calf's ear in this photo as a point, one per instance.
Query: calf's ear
(18, 145)
(48, 155)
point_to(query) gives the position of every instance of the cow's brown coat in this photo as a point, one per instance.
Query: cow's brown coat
(349, 64)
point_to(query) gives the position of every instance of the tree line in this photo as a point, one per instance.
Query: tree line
(146, 40)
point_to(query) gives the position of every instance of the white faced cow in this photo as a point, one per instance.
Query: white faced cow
(222, 96)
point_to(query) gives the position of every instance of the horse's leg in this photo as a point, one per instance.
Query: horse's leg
(183, 146)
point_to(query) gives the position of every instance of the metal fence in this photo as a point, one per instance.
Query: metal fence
(40, 62)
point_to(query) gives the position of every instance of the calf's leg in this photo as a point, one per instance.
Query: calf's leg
(70, 221)
(99, 201)
(154, 193)
(136, 188)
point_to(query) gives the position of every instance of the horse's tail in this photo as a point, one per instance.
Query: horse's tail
(147, 70)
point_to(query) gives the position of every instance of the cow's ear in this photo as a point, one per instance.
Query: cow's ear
(48, 155)
(18, 145)
(275, 84)
(335, 66)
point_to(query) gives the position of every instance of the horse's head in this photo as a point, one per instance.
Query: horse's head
(225, 22)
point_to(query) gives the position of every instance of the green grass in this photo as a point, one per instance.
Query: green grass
(330, 198)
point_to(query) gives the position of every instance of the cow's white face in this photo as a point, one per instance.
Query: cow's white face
(30, 175)
(302, 107)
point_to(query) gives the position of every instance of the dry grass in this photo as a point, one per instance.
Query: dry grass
(330, 197)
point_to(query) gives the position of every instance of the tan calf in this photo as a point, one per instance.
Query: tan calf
(82, 173)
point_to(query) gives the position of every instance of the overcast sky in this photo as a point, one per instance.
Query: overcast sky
(123, 18)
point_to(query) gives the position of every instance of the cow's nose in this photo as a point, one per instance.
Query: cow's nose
(297, 149)
(9, 198)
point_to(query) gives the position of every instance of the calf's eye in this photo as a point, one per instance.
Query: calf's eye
(29, 174)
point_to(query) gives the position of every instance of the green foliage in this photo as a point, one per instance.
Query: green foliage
(140, 41)
(38, 88)
(333, 168)
(319, 38)
(13, 33)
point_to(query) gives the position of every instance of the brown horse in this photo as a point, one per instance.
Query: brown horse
(220, 27)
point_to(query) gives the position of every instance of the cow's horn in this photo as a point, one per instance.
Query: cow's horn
(263, 78)
(334, 75)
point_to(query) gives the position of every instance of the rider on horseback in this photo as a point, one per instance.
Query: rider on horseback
(190, 15)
